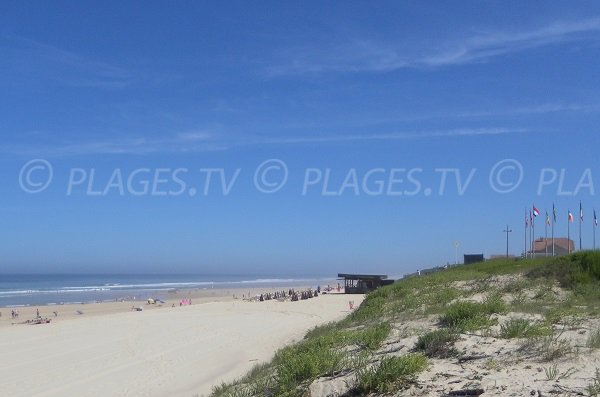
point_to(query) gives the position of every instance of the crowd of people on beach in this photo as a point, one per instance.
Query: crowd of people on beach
(290, 294)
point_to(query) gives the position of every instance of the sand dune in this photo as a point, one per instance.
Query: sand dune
(179, 351)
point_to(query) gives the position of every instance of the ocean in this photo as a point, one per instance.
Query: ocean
(55, 289)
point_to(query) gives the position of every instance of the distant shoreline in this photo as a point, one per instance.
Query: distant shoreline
(15, 293)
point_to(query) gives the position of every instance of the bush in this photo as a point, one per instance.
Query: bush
(521, 328)
(391, 374)
(593, 340)
(438, 343)
(370, 310)
(306, 361)
(371, 337)
(571, 271)
(471, 315)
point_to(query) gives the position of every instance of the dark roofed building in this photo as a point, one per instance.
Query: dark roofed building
(473, 258)
(363, 283)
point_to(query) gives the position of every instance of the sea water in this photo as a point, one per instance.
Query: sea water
(55, 289)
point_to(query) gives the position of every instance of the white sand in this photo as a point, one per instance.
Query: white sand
(181, 351)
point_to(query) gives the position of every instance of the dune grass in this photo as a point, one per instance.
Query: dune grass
(469, 316)
(347, 346)
(438, 343)
(593, 340)
(390, 374)
(522, 328)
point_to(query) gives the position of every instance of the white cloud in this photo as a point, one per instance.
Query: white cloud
(394, 136)
(205, 142)
(370, 56)
(26, 61)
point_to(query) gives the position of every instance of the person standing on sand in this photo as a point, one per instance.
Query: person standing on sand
(37, 312)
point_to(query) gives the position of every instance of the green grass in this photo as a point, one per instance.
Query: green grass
(323, 352)
(593, 388)
(349, 344)
(304, 362)
(391, 374)
(547, 348)
(521, 328)
(593, 340)
(371, 337)
(256, 382)
(469, 316)
(438, 343)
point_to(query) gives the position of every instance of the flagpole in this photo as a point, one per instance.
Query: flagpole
(525, 239)
(546, 234)
(553, 218)
(569, 233)
(533, 237)
(530, 252)
(594, 226)
(580, 221)
(531, 232)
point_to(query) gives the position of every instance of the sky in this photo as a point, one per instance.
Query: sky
(304, 138)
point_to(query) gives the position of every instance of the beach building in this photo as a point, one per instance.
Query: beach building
(473, 258)
(363, 283)
(543, 246)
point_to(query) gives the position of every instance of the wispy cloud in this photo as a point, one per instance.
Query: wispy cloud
(370, 56)
(178, 143)
(195, 142)
(393, 136)
(485, 46)
(532, 110)
(26, 61)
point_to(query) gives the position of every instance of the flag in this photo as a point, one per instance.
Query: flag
(570, 217)
(580, 212)
(536, 212)
(530, 218)
(595, 219)
(554, 212)
(547, 219)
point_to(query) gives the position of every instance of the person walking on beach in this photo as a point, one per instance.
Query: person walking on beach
(37, 312)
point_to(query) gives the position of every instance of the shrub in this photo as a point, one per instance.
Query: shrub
(471, 315)
(438, 343)
(391, 374)
(521, 328)
(306, 361)
(371, 309)
(371, 337)
(593, 340)
(547, 348)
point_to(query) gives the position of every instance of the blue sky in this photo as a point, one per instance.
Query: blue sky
(338, 86)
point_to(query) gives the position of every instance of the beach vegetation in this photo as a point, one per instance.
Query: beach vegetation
(391, 374)
(563, 291)
(522, 328)
(593, 340)
(547, 348)
(593, 388)
(438, 343)
(553, 373)
(491, 365)
(469, 316)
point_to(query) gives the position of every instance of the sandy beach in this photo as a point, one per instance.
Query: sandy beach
(111, 350)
